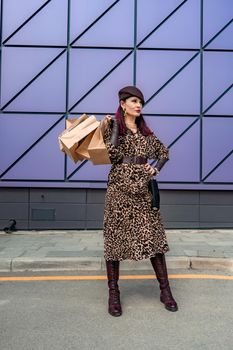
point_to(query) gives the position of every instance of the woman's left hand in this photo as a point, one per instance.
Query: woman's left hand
(150, 169)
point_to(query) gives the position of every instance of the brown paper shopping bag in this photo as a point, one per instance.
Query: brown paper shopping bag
(70, 122)
(71, 137)
(97, 149)
(82, 149)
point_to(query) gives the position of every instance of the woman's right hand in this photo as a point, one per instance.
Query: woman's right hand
(105, 122)
(107, 118)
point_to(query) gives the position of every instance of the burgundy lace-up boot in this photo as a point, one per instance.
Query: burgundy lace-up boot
(114, 304)
(159, 265)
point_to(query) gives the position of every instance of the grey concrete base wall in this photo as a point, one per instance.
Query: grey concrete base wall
(43, 208)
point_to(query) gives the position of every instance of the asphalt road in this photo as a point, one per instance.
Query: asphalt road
(72, 314)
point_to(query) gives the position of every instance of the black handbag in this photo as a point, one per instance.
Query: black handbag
(154, 189)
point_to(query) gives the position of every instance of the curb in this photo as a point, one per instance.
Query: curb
(223, 264)
(98, 264)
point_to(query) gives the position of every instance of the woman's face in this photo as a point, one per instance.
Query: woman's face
(132, 106)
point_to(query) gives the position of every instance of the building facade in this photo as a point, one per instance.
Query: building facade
(62, 58)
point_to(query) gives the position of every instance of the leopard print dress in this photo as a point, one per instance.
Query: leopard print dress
(132, 229)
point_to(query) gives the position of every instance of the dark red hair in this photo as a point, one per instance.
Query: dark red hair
(140, 122)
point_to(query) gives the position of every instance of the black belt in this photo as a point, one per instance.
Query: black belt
(134, 160)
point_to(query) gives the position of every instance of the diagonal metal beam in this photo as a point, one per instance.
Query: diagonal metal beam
(77, 169)
(180, 135)
(102, 79)
(218, 33)
(27, 20)
(94, 22)
(30, 148)
(33, 79)
(218, 165)
(184, 132)
(172, 77)
(161, 23)
(218, 98)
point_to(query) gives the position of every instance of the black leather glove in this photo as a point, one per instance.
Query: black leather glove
(160, 163)
(115, 133)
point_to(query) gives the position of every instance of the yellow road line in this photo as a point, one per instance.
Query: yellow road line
(123, 277)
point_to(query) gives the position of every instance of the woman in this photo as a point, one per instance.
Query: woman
(132, 228)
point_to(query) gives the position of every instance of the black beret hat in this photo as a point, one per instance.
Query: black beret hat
(130, 91)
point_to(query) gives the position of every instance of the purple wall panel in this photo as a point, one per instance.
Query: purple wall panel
(224, 40)
(90, 172)
(168, 129)
(155, 12)
(181, 31)
(16, 13)
(181, 95)
(184, 162)
(88, 67)
(104, 32)
(42, 162)
(83, 13)
(224, 106)
(45, 94)
(103, 99)
(155, 68)
(217, 141)
(217, 13)
(218, 75)
(17, 70)
(48, 27)
(19, 132)
(188, 89)
(224, 173)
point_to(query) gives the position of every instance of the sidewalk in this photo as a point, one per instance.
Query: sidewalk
(83, 250)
